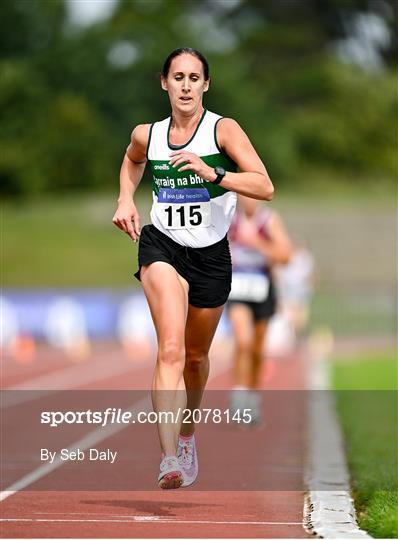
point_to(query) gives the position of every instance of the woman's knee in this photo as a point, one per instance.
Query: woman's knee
(171, 353)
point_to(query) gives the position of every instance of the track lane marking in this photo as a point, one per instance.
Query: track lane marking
(95, 355)
(93, 437)
(329, 510)
(150, 519)
(64, 379)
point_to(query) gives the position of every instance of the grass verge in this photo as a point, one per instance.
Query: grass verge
(367, 407)
(66, 242)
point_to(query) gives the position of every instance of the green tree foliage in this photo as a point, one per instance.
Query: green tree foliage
(69, 101)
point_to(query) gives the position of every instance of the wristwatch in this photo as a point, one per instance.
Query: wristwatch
(220, 172)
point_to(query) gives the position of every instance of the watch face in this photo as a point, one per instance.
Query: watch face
(220, 171)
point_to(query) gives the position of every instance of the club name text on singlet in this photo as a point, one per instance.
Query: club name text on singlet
(187, 208)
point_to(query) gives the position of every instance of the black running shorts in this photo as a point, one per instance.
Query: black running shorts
(260, 310)
(208, 270)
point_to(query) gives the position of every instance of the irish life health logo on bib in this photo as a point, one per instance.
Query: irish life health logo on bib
(184, 208)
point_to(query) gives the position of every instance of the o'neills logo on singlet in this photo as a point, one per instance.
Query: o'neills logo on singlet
(163, 167)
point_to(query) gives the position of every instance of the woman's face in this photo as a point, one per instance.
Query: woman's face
(185, 84)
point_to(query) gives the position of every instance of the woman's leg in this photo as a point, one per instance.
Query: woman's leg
(199, 332)
(242, 326)
(256, 365)
(167, 295)
(260, 330)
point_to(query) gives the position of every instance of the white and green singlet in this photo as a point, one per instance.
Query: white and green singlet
(187, 208)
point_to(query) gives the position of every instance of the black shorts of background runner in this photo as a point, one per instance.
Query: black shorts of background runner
(260, 310)
(208, 270)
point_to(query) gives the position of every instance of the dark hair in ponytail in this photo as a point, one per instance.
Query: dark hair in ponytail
(186, 50)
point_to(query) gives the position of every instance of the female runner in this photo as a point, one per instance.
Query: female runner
(184, 258)
(258, 242)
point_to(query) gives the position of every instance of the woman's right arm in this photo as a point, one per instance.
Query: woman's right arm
(126, 216)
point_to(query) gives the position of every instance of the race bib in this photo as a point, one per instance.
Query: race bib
(184, 208)
(249, 287)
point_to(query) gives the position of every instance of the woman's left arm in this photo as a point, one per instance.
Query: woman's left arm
(253, 179)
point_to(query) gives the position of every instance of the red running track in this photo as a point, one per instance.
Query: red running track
(192, 512)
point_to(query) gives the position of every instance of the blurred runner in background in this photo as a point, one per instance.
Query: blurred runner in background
(258, 241)
(295, 285)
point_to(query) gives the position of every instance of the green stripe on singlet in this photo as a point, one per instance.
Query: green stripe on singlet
(166, 176)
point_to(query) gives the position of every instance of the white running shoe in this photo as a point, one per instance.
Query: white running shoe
(255, 405)
(188, 460)
(170, 476)
(238, 402)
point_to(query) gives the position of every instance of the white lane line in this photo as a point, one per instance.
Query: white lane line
(64, 379)
(150, 519)
(38, 381)
(329, 510)
(94, 437)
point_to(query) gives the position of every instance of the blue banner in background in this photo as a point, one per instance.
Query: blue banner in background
(58, 316)
(97, 310)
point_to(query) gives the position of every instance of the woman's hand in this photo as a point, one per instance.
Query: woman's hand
(127, 219)
(193, 163)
